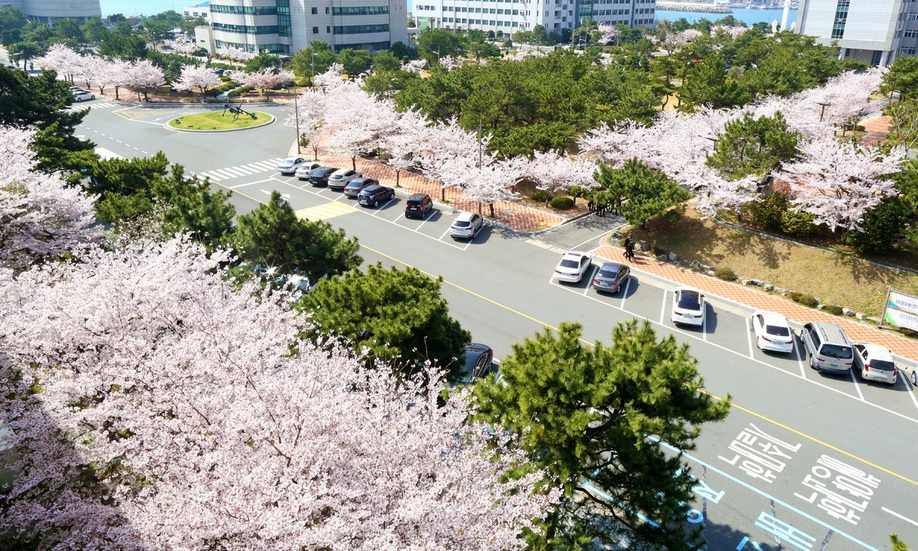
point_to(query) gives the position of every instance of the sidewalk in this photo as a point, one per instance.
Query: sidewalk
(515, 216)
(858, 332)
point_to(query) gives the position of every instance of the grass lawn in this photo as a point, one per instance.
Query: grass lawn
(217, 120)
(833, 277)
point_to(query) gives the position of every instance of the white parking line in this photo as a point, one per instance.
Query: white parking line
(399, 217)
(590, 279)
(895, 514)
(856, 386)
(663, 306)
(749, 337)
(594, 238)
(380, 210)
(908, 388)
(704, 324)
(444, 234)
(625, 294)
(237, 186)
(798, 354)
(426, 220)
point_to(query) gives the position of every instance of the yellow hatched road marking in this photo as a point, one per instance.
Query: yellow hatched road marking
(325, 211)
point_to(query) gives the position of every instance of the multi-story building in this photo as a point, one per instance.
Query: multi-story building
(510, 16)
(285, 26)
(49, 11)
(874, 31)
(201, 10)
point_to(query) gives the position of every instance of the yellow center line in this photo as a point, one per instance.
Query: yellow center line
(733, 403)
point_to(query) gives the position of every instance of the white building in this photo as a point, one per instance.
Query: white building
(510, 16)
(196, 11)
(874, 31)
(285, 26)
(49, 11)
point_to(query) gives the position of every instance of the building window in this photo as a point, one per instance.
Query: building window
(841, 17)
(247, 10)
(314, 10)
(366, 10)
(248, 29)
(315, 30)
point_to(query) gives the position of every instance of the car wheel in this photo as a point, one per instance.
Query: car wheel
(375, 204)
(915, 378)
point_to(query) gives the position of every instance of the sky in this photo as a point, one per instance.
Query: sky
(144, 7)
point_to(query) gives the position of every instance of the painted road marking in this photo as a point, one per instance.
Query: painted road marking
(594, 238)
(379, 210)
(426, 220)
(284, 196)
(625, 294)
(663, 307)
(107, 153)
(769, 497)
(799, 354)
(908, 387)
(733, 403)
(593, 269)
(897, 515)
(325, 211)
(237, 186)
(856, 386)
(443, 234)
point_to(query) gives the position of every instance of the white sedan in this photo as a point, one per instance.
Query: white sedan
(772, 332)
(875, 363)
(573, 266)
(289, 165)
(688, 307)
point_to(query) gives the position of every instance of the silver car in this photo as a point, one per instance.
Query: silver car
(466, 226)
(303, 171)
(828, 347)
(289, 165)
(341, 177)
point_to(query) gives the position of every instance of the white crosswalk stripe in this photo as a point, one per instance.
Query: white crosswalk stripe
(249, 169)
(102, 105)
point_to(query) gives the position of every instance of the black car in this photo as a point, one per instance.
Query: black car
(319, 176)
(375, 195)
(610, 277)
(355, 186)
(477, 361)
(419, 205)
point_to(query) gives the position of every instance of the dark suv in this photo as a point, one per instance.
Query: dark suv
(355, 186)
(375, 195)
(418, 205)
(319, 176)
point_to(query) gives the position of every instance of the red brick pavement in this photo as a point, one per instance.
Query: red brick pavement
(859, 332)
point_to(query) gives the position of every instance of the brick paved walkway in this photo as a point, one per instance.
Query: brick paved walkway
(859, 332)
(877, 129)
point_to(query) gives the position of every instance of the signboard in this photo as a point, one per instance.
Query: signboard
(901, 310)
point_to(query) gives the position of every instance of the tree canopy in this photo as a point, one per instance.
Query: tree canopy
(637, 191)
(593, 418)
(399, 316)
(273, 236)
(753, 146)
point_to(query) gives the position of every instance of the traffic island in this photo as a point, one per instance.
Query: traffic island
(220, 121)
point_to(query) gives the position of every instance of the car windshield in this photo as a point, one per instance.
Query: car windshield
(568, 263)
(355, 183)
(836, 351)
(690, 300)
(777, 331)
(461, 223)
(882, 365)
(609, 271)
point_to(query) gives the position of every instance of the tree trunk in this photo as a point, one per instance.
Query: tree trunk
(315, 153)
(397, 184)
(442, 193)
(354, 162)
(491, 206)
(116, 93)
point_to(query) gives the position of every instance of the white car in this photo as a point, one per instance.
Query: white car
(875, 363)
(83, 95)
(466, 226)
(688, 307)
(302, 172)
(289, 165)
(772, 332)
(573, 266)
(341, 177)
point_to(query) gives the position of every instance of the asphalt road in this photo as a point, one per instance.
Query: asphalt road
(804, 461)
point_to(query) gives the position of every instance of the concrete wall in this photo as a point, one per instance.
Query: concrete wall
(55, 9)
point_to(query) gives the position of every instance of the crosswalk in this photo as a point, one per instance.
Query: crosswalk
(102, 105)
(250, 169)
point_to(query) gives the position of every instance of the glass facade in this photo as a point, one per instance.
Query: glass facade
(360, 10)
(841, 17)
(243, 10)
(283, 17)
(360, 29)
(372, 46)
(247, 29)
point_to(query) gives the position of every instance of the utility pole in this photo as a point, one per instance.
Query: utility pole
(822, 111)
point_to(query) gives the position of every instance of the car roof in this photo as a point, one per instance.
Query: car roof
(417, 196)
(831, 333)
(371, 187)
(877, 352)
(465, 216)
(773, 318)
(611, 267)
(477, 347)
(575, 255)
(345, 170)
(325, 168)
(359, 180)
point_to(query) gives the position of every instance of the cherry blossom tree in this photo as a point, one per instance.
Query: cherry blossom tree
(236, 54)
(175, 412)
(181, 45)
(417, 65)
(60, 59)
(838, 182)
(554, 172)
(143, 77)
(40, 217)
(197, 79)
(117, 74)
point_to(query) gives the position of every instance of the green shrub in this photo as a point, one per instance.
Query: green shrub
(576, 191)
(798, 223)
(238, 91)
(541, 196)
(767, 211)
(832, 309)
(725, 274)
(561, 203)
(804, 299)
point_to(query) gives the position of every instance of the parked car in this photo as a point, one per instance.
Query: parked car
(289, 165)
(302, 172)
(83, 95)
(772, 332)
(875, 363)
(318, 176)
(341, 177)
(911, 374)
(466, 226)
(419, 205)
(688, 307)
(477, 361)
(827, 346)
(355, 186)
(375, 195)
(610, 277)
(573, 266)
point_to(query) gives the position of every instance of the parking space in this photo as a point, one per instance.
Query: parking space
(727, 328)
(644, 299)
(792, 363)
(583, 233)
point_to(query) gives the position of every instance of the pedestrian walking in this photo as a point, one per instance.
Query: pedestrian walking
(629, 247)
(591, 205)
